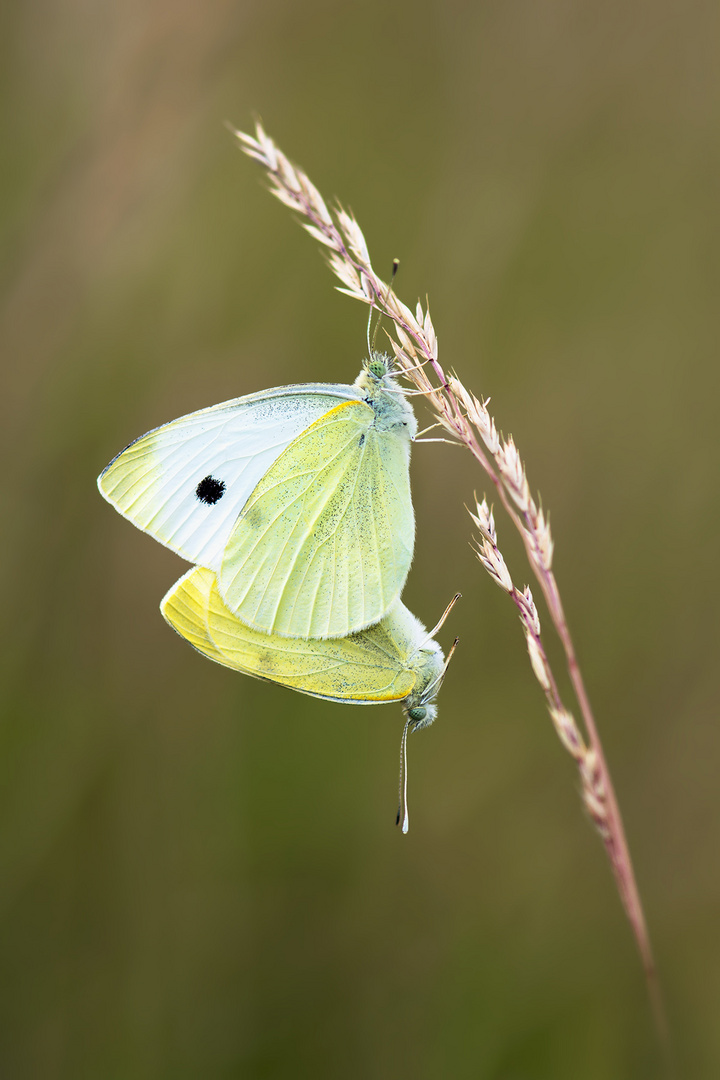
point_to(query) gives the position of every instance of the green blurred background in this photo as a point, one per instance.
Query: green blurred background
(201, 876)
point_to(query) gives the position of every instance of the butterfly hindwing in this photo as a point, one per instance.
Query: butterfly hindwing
(323, 545)
(366, 668)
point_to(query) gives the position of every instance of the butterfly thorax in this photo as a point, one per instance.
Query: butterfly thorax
(385, 396)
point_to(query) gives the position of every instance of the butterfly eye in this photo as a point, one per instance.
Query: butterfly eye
(417, 714)
(378, 368)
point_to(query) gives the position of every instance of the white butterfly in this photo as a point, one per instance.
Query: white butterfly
(298, 498)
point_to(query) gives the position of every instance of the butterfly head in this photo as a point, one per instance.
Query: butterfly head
(419, 707)
(421, 716)
(380, 364)
(378, 370)
(377, 384)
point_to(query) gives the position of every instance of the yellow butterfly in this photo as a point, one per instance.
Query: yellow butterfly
(393, 660)
(298, 498)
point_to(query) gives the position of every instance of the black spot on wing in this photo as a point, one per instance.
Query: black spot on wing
(210, 490)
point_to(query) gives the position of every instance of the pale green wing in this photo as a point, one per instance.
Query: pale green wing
(362, 669)
(186, 482)
(323, 545)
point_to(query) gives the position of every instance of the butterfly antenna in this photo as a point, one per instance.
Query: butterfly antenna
(402, 792)
(370, 350)
(439, 681)
(436, 627)
(445, 614)
(396, 264)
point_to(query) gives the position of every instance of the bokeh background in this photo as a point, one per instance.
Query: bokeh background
(201, 876)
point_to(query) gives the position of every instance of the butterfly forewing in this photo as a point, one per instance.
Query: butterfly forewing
(324, 543)
(186, 482)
